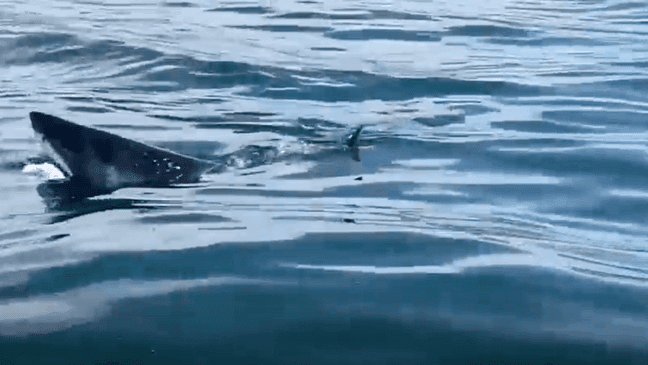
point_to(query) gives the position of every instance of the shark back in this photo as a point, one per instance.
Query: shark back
(103, 162)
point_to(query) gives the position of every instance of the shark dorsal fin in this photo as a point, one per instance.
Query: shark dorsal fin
(107, 162)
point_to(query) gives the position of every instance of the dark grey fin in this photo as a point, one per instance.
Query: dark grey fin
(352, 140)
(352, 143)
(98, 162)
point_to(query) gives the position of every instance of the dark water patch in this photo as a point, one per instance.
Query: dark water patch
(386, 34)
(388, 250)
(639, 84)
(540, 126)
(9, 95)
(532, 144)
(89, 109)
(56, 237)
(550, 42)
(331, 49)
(622, 89)
(184, 218)
(578, 103)
(12, 165)
(204, 100)
(613, 166)
(614, 209)
(379, 341)
(23, 233)
(251, 114)
(486, 31)
(633, 23)
(154, 87)
(307, 336)
(120, 5)
(576, 74)
(173, 118)
(251, 173)
(331, 16)
(39, 40)
(283, 28)
(179, 5)
(66, 211)
(388, 14)
(235, 228)
(361, 15)
(441, 120)
(627, 5)
(244, 9)
(85, 99)
(638, 64)
(88, 54)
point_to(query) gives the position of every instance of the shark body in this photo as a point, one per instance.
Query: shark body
(96, 162)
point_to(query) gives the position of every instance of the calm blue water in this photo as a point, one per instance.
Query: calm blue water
(497, 214)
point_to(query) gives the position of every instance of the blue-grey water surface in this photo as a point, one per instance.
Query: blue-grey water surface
(497, 214)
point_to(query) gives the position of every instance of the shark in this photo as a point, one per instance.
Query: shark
(95, 162)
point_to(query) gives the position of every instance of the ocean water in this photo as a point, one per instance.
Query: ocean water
(494, 212)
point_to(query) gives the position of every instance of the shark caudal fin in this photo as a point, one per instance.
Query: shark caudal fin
(100, 162)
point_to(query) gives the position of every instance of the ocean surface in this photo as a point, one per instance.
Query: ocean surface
(494, 211)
